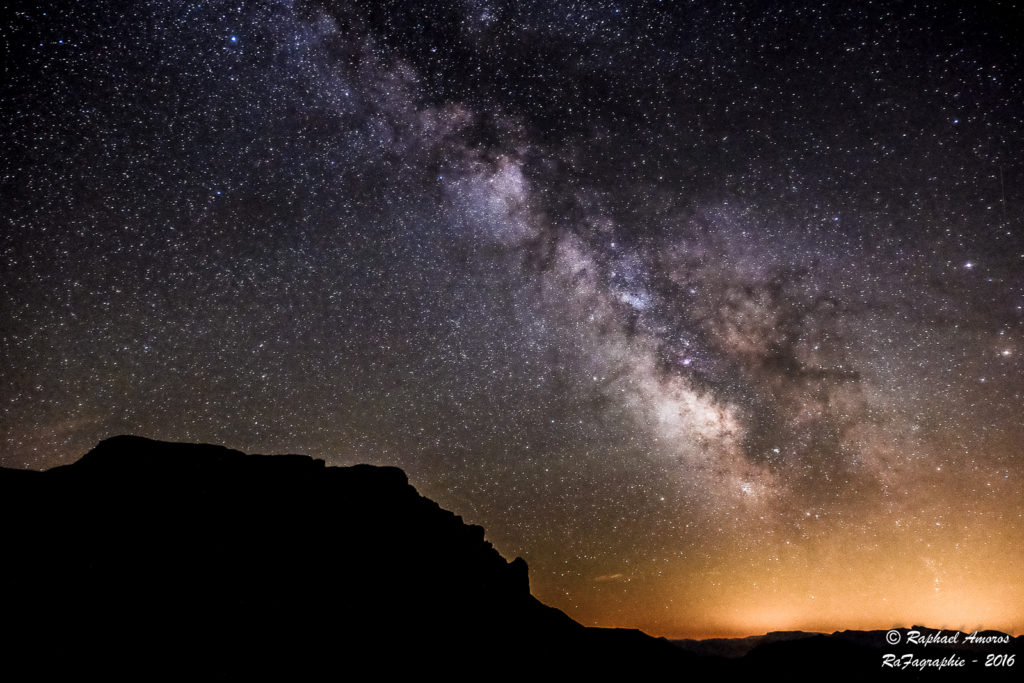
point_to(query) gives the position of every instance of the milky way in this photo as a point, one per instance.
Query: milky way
(713, 314)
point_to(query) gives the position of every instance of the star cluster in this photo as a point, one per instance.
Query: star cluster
(711, 312)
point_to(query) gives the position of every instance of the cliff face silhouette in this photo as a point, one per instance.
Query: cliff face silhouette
(150, 558)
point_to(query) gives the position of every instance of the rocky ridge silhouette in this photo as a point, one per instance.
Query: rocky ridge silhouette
(146, 557)
(154, 560)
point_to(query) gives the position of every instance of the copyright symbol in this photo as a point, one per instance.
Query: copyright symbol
(892, 637)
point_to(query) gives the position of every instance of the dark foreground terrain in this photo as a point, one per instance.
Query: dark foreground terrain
(151, 560)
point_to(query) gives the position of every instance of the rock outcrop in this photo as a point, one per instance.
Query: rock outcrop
(146, 559)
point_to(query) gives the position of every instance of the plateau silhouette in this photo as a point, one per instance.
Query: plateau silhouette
(147, 559)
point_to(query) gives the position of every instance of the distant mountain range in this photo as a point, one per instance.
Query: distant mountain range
(953, 641)
(865, 655)
(151, 560)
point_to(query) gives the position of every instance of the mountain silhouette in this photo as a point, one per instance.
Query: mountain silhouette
(147, 558)
(152, 560)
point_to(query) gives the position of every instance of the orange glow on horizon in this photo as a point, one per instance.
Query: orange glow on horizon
(962, 577)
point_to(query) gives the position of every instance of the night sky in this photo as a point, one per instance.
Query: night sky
(710, 311)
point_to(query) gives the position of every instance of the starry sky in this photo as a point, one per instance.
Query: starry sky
(710, 311)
